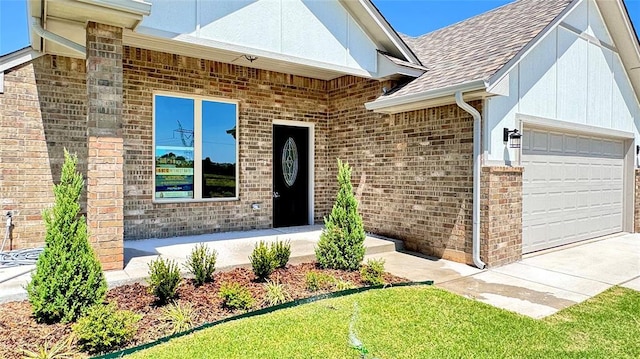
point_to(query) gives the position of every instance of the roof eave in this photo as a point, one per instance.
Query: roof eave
(17, 58)
(624, 36)
(425, 99)
(380, 29)
(136, 7)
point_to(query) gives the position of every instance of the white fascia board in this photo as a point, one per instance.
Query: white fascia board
(137, 7)
(616, 18)
(558, 125)
(388, 68)
(390, 32)
(504, 70)
(17, 58)
(396, 104)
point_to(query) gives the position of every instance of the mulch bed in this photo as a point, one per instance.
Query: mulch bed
(19, 330)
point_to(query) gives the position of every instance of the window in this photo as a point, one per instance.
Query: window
(196, 150)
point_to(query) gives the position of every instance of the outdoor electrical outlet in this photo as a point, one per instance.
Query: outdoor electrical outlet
(255, 206)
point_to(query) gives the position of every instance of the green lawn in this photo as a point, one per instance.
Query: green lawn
(421, 322)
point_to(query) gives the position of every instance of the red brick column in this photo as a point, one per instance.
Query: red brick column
(105, 195)
(636, 205)
(501, 215)
(105, 199)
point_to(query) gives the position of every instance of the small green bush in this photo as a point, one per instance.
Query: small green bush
(105, 328)
(262, 261)
(372, 272)
(315, 281)
(63, 349)
(341, 244)
(343, 285)
(235, 296)
(68, 278)
(178, 318)
(164, 278)
(281, 251)
(276, 293)
(202, 263)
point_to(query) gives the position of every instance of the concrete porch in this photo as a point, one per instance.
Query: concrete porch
(537, 286)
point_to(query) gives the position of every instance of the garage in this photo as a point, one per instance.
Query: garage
(573, 187)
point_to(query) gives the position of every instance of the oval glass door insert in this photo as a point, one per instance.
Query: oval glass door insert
(290, 162)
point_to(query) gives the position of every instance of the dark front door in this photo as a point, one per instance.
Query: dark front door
(290, 176)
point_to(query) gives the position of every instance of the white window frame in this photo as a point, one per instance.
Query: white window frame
(197, 148)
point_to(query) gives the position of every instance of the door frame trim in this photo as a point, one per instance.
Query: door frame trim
(311, 160)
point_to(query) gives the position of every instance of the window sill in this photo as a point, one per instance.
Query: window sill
(203, 200)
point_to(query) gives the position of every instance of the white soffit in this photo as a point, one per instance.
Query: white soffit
(192, 46)
(626, 42)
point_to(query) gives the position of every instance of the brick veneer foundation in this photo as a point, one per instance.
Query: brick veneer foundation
(501, 215)
(105, 144)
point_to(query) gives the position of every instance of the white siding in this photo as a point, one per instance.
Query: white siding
(568, 78)
(321, 31)
(227, 21)
(579, 16)
(599, 86)
(572, 77)
(538, 79)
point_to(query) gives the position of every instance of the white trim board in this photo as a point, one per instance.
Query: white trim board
(312, 147)
(18, 58)
(535, 121)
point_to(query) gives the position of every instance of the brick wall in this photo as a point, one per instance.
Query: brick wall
(105, 158)
(412, 171)
(637, 203)
(501, 215)
(42, 111)
(263, 96)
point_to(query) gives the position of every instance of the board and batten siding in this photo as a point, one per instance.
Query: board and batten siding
(567, 77)
(321, 31)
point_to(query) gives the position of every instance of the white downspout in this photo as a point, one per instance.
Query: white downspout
(477, 128)
(35, 26)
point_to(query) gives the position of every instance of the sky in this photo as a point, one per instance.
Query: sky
(411, 17)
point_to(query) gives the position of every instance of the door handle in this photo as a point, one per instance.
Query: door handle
(276, 195)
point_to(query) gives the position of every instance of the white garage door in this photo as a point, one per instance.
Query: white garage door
(572, 188)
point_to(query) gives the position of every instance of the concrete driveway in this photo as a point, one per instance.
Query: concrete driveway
(545, 282)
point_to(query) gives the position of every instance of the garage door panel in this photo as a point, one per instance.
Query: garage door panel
(572, 188)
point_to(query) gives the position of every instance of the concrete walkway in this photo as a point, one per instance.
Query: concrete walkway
(538, 286)
(543, 283)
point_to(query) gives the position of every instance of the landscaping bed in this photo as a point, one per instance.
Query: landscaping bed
(19, 329)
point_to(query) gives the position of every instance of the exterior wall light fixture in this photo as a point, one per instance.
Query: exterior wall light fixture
(251, 58)
(513, 137)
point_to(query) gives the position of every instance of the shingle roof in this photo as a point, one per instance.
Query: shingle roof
(477, 48)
